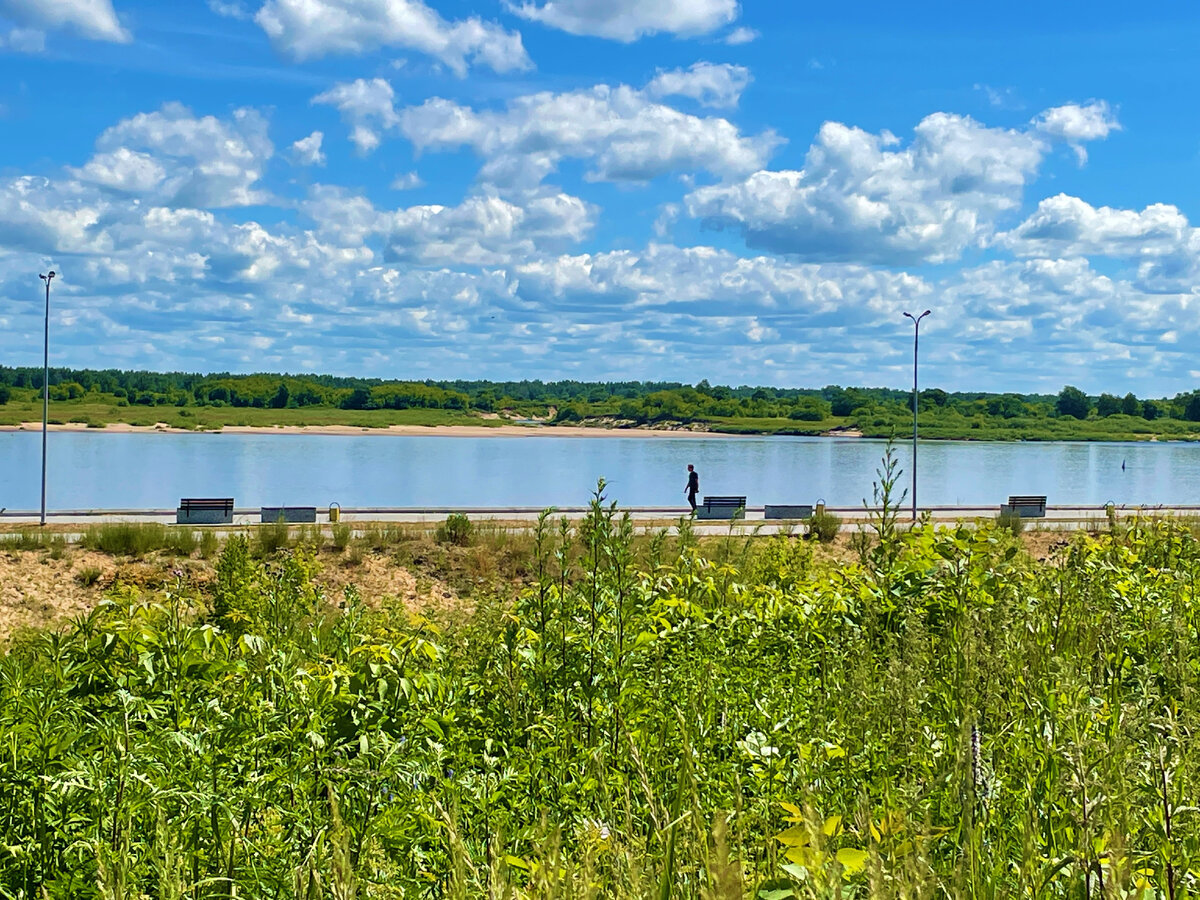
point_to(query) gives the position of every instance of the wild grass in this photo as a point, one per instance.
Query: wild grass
(139, 539)
(825, 526)
(1010, 521)
(341, 536)
(209, 544)
(642, 716)
(271, 537)
(31, 539)
(88, 575)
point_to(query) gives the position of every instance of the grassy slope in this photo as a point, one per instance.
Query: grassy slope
(952, 717)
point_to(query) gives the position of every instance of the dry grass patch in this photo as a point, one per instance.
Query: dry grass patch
(39, 591)
(380, 581)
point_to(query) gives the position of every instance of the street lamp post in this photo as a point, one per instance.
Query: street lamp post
(916, 334)
(45, 388)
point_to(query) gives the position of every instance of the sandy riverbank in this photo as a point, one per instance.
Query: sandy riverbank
(422, 430)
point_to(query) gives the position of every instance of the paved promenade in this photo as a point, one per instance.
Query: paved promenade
(1058, 517)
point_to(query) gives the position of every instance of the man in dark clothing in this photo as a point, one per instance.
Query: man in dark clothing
(693, 486)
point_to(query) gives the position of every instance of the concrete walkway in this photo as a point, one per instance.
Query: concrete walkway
(1057, 517)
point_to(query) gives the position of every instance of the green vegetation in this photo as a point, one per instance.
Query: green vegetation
(194, 401)
(825, 525)
(641, 716)
(138, 539)
(455, 530)
(31, 539)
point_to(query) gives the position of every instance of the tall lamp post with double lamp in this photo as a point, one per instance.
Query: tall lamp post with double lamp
(916, 335)
(45, 388)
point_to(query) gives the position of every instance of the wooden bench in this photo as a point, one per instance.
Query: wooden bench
(205, 511)
(1027, 507)
(292, 515)
(788, 511)
(722, 508)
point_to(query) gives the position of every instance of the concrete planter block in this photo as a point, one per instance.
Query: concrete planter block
(292, 515)
(788, 511)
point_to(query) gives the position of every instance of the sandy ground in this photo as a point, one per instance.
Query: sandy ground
(425, 430)
(37, 590)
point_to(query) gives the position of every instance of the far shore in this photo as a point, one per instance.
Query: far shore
(471, 431)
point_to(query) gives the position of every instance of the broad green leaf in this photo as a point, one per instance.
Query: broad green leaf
(796, 836)
(796, 871)
(852, 859)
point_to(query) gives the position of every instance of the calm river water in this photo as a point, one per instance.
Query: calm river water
(98, 471)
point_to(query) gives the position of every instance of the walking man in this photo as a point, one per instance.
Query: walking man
(693, 486)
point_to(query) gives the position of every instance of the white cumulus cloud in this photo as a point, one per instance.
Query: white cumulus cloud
(628, 20)
(741, 35)
(307, 151)
(1068, 226)
(1075, 124)
(307, 29)
(858, 199)
(178, 159)
(368, 107)
(94, 19)
(866, 197)
(710, 84)
(487, 230)
(621, 131)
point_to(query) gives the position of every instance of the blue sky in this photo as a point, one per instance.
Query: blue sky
(605, 189)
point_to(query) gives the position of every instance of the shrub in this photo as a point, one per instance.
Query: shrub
(273, 537)
(809, 409)
(455, 530)
(1010, 521)
(341, 537)
(380, 538)
(208, 544)
(234, 591)
(825, 525)
(181, 541)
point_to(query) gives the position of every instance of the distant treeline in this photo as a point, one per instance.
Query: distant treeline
(635, 401)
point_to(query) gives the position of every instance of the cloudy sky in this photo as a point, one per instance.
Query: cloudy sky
(745, 192)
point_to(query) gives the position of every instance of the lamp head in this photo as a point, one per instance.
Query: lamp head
(923, 315)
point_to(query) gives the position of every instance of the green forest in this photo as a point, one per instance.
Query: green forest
(97, 397)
